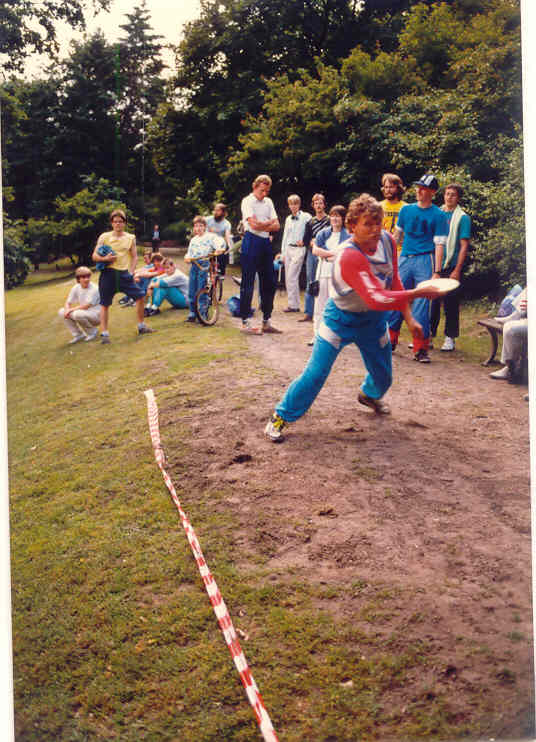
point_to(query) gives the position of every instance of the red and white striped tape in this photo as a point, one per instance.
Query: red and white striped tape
(220, 609)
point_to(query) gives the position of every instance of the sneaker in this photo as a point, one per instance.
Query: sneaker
(311, 342)
(105, 339)
(268, 327)
(127, 303)
(306, 318)
(422, 356)
(147, 311)
(378, 405)
(290, 309)
(274, 427)
(123, 301)
(238, 281)
(248, 329)
(448, 344)
(151, 312)
(76, 339)
(190, 318)
(410, 346)
(145, 330)
(92, 335)
(503, 373)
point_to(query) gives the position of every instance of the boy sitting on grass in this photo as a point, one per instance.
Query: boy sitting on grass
(172, 285)
(201, 245)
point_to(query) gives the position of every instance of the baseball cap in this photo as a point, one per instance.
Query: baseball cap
(428, 181)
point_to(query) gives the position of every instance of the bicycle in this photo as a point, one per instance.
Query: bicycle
(207, 299)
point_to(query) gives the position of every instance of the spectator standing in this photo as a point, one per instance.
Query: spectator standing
(326, 245)
(293, 251)
(260, 220)
(201, 245)
(119, 264)
(456, 250)
(156, 238)
(424, 229)
(319, 221)
(392, 189)
(220, 225)
(81, 312)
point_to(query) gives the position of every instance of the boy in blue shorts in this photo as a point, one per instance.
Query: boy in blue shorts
(201, 245)
(423, 227)
(117, 273)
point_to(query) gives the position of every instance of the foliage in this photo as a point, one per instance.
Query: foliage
(15, 251)
(78, 220)
(27, 26)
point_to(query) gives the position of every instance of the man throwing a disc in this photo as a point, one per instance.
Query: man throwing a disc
(365, 284)
(424, 229)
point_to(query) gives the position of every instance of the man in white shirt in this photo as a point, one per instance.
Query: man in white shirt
(293, 251)
(260, 219)
(220, 225)
(81, 311)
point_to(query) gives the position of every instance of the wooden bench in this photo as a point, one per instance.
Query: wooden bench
(495, 329)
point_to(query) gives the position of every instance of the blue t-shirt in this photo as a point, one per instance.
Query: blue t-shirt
(420, 227)
(464, 233)
(219, 228)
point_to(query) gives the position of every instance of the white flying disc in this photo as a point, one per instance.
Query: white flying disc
(443, 284)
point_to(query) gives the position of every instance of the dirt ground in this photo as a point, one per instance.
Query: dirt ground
(432, 501)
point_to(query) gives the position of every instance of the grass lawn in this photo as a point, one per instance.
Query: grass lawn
(113, 634)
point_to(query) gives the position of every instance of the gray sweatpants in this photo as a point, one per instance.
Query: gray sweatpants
(515, 335)
(81, 321)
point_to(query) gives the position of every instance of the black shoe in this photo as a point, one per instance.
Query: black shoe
(152, 312)
(124, 301)
(422, 356)
(190, 319)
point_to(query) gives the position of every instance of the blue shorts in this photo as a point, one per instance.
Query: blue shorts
(112, 281)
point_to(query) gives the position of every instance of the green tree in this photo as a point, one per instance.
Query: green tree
(27, 26)
(16, 253)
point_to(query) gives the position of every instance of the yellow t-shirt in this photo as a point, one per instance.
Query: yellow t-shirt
(121, 247)
(390, 215)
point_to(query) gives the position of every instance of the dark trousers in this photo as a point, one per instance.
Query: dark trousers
(223, 260)
(451, 304)
(257, 257)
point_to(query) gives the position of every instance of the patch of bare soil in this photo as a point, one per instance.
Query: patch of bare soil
(432, 502)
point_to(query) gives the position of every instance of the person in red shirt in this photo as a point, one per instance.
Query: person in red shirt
(365, 287)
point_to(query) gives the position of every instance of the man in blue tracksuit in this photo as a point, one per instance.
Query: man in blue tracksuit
(424, 229)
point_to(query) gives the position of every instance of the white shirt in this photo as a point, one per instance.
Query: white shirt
(264, 210)
(333, 243)
(294, 230)
(78, 295)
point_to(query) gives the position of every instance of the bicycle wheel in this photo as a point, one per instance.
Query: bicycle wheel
(219, 289)
(207, 308)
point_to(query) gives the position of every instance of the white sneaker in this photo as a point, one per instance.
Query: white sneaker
(448, 344)
(274, 428)
(76, 339)
(503, 373)
(92, 335)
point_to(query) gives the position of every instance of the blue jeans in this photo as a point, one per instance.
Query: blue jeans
(173, 294)
(197, 280)
(257, 257)
(368, 330)
(412, 270)
(311, 261)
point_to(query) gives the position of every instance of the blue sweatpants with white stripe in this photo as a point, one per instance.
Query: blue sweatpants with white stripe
(413, 269)
(368, 330)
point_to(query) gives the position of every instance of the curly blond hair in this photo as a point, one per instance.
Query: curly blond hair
(364, 204)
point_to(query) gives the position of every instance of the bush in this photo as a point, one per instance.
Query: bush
(177, 231)
(16, 262)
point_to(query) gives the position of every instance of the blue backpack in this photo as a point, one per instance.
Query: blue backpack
(233, 305)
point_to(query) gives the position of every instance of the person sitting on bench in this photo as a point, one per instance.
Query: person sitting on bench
(515, 334)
